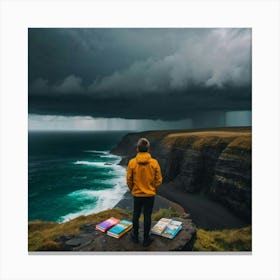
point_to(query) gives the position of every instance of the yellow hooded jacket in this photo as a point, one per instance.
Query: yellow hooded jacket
(143, 175)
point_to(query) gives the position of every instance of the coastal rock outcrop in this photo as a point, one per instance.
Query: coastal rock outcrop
(89, 239)
(213, 162)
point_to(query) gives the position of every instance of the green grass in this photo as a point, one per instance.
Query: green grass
(199, 139)
(224, 240)
(165, 213)
(42, 234)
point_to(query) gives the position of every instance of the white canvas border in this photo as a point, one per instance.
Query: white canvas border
(261, 16)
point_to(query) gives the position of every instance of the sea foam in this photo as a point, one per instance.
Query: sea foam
(108, 159)
(92, 163)
(99, 200)
(97, 152)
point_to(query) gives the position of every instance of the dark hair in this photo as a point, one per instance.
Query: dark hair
(143, 145)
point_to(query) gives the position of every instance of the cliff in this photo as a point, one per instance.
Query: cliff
(80, 234)
(213, 163)
(90, 239)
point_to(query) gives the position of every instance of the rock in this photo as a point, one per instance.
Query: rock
(93, 240)
(87, 228)
(232, 181)
(64, 238)
(126, 203)
(79, 240)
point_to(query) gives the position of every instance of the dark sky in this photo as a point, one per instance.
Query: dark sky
(165, 74)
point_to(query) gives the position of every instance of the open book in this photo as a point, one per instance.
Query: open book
(160, 226)
(167, 228)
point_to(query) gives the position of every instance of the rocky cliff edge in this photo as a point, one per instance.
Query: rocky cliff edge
(213, 162)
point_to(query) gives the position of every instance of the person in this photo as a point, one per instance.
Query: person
(143, 177)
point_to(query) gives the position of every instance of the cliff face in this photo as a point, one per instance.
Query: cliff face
(215, 163)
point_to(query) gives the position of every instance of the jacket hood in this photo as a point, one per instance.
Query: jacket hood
(143, 158)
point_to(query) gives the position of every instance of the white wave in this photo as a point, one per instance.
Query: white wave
(112, 182)
(101, 163)
(101, 200)
(93, 163)
(97, 152)
(117, 171)
(110, 156)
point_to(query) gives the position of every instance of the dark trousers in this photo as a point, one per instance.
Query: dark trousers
(147, 204)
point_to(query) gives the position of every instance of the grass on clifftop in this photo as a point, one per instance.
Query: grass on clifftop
(199, 139)
(41, 235)
(224, 240)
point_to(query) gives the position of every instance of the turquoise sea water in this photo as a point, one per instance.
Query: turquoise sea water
(72, 174)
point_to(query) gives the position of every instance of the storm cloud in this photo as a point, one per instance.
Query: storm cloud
(166, 74)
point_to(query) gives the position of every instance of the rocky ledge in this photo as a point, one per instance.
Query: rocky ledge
(90, 239)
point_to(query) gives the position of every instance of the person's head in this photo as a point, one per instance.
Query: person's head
(143, 145)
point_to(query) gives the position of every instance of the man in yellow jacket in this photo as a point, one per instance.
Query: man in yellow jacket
(143, 177)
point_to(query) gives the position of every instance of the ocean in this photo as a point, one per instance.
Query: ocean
(72, 174)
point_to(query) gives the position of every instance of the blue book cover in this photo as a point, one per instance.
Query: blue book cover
(120, 227)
